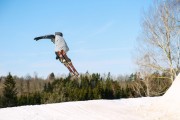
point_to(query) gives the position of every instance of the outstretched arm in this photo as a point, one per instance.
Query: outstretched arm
(45, 37)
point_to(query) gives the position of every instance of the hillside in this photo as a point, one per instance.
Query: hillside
(165, 107)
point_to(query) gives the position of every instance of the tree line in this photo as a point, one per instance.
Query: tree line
(17, 91)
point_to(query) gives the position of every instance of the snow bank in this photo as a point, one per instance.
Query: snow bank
(125, 109)
(173, 94)
(166, 107)
(169, 103)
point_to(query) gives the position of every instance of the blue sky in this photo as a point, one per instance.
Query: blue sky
(101, 35)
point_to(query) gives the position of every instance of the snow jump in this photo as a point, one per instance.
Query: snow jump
(61, 49)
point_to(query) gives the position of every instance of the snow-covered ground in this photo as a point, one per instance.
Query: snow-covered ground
(166, 107)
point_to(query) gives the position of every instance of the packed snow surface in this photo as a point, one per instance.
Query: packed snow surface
(166, 107)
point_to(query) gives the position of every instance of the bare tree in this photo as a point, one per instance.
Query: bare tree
(159, 42)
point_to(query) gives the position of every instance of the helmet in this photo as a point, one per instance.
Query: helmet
(59, 33)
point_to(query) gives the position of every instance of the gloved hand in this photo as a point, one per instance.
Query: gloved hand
(36, 38)
(57, 57)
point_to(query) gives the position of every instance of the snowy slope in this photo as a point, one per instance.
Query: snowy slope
(166, 107)
(125, 109)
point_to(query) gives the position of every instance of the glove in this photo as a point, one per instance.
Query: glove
(36, 38)
(57, 57)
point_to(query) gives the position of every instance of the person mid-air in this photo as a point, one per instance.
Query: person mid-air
(61, 49)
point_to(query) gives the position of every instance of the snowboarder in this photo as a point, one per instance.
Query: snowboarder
(61, 49)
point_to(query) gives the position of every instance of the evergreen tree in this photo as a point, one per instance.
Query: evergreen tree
(9, 98)
(108, 89)
(51, 76)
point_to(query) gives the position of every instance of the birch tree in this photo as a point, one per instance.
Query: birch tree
(159, 42)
